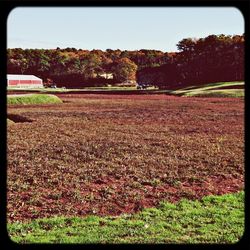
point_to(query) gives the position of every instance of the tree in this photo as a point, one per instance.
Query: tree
(23, 65)
(92, 65)
(125, 70)
(43, 64)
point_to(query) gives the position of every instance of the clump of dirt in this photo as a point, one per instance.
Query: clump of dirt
(18, 118)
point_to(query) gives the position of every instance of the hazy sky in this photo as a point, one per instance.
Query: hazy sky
(129, 28)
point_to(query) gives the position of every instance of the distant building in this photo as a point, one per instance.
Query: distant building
(24, 81)
(107, 75)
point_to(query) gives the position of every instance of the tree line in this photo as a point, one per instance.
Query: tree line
(200, 61)
(83, 67)
(214, 58)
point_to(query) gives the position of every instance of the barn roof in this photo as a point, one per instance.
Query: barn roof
(22, 77)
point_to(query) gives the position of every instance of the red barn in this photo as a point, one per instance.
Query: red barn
(24, 81)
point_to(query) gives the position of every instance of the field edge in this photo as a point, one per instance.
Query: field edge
(213, 219)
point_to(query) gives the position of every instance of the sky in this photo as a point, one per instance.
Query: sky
(124, 28)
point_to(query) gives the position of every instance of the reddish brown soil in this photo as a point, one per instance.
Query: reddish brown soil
(113, 154)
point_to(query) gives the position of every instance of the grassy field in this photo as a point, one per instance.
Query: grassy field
(214, 219)
(41, 90)
(208, 90)
(81, 89)
(64, 90)
(94, 156)
(33, 99)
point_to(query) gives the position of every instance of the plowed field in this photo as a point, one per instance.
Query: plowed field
(113, 154)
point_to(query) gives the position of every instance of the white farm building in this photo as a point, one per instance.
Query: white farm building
(24, 81)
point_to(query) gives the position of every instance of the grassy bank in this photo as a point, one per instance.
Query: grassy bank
(214, 219)
(219, 89)
(9, 122)
(219, 93)
(33, 99)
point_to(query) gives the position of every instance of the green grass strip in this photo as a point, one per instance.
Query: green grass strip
(33, 99)
(214, 219)
(217, 93)
(212, 90)
(212, 86)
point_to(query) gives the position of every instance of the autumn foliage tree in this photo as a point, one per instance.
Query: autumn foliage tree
(125, 70)
(199, 60)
